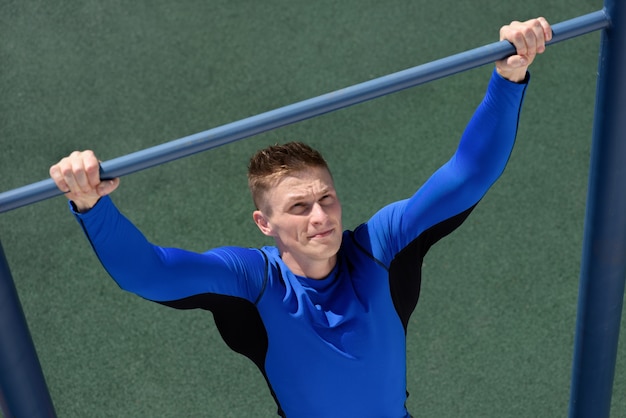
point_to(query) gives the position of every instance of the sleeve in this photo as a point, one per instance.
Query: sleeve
(480, 159)
(165, 274)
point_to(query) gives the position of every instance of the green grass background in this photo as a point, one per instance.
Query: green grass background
(493, 333)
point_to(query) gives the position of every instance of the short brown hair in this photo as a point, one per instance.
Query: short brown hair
(270, 164)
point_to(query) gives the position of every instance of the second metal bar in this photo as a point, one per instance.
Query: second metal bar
(23, 389)
(603, 266)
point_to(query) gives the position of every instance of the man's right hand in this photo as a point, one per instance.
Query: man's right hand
(78, 176)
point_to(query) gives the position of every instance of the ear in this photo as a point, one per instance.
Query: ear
(261, 221)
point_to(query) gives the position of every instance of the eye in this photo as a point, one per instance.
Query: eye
(298, 207)
(326, 199)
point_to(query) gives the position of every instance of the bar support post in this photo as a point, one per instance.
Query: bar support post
(603, 264)
(23, 389)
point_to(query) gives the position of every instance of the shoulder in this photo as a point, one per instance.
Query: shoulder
(239, 258)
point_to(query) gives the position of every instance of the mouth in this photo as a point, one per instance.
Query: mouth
(322, 234)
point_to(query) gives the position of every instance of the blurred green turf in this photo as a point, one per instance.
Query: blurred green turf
(492, 335)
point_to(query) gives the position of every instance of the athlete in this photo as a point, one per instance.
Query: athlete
(323, 313)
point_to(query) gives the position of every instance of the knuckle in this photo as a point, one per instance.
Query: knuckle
(54, 171)
(65, 169)
(91, 167)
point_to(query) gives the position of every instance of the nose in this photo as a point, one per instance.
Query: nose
(318, 214)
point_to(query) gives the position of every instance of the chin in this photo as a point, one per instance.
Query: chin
(331, 249)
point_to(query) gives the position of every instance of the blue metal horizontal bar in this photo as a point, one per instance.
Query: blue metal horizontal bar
(303, 110)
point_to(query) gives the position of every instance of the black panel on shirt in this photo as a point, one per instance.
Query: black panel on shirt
(405, 271)
(239, 324)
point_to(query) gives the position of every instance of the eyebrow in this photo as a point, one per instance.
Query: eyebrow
(303, 196)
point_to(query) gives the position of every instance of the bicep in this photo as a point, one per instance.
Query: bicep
(176, 274)
(161, 274)
(447, 193)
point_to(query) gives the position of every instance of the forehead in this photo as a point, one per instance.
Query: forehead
(301, 183)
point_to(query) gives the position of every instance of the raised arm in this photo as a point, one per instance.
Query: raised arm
(488, 139)
(483, 152)
(156, 273)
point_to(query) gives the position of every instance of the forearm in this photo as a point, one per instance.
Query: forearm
(488, 139)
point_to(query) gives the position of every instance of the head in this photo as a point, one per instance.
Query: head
(271, 164)
(297, 204)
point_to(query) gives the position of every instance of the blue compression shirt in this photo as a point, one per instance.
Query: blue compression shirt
(333, 347)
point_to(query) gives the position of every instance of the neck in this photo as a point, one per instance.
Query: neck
(312, 269)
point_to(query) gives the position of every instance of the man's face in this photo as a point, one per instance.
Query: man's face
(303, 214)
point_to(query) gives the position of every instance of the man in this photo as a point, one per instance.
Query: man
(323, 313)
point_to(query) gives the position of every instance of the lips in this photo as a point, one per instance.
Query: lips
(323, 234)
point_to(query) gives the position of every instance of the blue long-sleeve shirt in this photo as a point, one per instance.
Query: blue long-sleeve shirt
(333, 347)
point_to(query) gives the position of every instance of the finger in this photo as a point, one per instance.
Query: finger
(57, 176)
(107, 186)
(529, 33)
(538, 34)
(515, 36)
(516, 61)
(76, 176)
(547, 28)
(72, 170)
(92, 169)
(70, 181)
